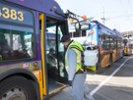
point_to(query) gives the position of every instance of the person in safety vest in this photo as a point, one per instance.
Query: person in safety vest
(74, 68)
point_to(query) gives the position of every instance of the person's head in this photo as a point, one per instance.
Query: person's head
(65, 40)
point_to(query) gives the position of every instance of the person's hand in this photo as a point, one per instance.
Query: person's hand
(69, 83)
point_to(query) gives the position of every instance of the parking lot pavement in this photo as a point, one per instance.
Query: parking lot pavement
(65, 94)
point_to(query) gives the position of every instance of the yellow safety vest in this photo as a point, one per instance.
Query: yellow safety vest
(77, 47)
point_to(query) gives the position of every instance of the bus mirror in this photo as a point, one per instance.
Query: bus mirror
(77, 26)
(82, 26)
(85, 27)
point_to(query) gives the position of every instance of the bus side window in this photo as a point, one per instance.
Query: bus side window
(5, 49)
(3, 41)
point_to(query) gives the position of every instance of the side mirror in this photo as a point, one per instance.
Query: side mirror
(85, 27)
(82, 26)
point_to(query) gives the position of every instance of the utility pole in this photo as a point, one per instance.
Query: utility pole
(103, 18)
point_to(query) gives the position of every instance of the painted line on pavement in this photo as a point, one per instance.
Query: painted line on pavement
(108, 78)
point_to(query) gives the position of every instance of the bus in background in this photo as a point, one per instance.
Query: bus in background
(118, 40)
(31, 57)
(128, 46)
(95, 34)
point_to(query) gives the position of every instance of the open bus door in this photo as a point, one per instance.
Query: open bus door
(54, 73)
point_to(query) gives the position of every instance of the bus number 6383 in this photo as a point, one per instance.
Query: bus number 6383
(12, 14)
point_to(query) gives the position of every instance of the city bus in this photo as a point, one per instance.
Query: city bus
(31, 55)
(93, 33)
(128, 46)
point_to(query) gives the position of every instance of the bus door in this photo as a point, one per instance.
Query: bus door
(54, 67)
(120, 48)
(105, 51)
(114, 49)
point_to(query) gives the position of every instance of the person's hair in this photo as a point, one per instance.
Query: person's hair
(65, 38)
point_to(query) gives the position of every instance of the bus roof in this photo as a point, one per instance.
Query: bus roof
(118, 33)
(105, 30)
(45, 6)
(101, 24)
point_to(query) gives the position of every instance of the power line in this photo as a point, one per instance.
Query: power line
(125, 12)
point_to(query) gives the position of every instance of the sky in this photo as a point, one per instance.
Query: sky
(118, 13)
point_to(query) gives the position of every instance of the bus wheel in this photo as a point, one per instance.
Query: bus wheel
(17, 88)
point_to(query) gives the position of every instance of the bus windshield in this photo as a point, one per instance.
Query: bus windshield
(83, 36)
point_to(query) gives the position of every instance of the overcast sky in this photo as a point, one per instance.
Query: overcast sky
(118, 13)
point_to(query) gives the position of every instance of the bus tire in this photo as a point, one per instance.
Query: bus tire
(17, 88)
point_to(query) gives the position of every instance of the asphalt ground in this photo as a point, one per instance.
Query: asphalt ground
(113, 83)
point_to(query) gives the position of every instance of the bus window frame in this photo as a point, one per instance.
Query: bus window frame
(112, 41)
(6, 22)
(104, 41)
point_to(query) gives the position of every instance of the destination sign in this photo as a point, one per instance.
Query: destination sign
(12, 13)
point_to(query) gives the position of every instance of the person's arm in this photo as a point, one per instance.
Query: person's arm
(71, 64)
